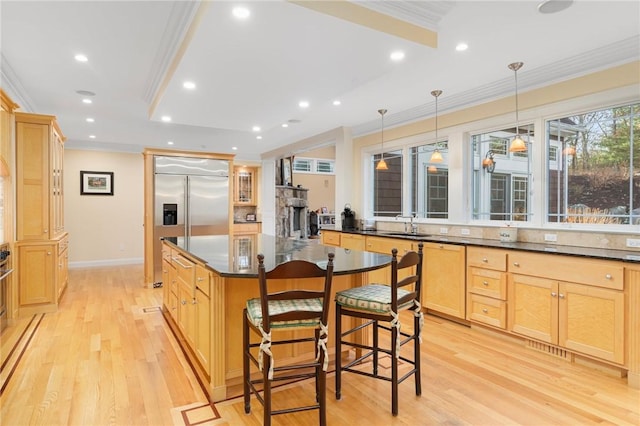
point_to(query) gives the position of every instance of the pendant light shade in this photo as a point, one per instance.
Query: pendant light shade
(517, 144)
(382, 165)
(436, 157)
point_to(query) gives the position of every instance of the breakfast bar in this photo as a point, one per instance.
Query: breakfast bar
(208, 279)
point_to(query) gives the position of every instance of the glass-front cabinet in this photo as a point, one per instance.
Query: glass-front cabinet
(244, 186)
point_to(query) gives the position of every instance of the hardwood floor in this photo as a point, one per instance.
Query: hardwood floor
(108, 357)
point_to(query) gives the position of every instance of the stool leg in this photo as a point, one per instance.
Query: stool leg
(394, 372)
(375, 347)
(246, 374)
(338, 351)
(266, 393)
(416, 345)
(321, 383)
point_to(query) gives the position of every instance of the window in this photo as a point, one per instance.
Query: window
(313, 165)
(387, 185)
(596, 177)
(501, 178)
(429, 182)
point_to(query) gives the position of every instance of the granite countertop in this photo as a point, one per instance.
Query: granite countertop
(237, 255)
(594, 252)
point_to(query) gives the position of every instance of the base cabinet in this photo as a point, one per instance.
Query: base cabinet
(443, 279)
(36, 272)
(203, 318)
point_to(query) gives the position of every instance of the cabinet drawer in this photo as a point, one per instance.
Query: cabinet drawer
(331, 238)
(596, 272)
(487, 310)
(185, 269)
(63, 245)
(487, 258)
(385, 245)
(350, 241)
(488, 282)
(203, 283)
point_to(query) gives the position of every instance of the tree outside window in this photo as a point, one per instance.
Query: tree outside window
(595, 178)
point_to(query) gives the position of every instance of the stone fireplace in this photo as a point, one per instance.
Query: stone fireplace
(291, 212)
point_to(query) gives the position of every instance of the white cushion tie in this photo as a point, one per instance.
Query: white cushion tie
(322, 346)
(418, 313)
(265, 346)
(395, 322)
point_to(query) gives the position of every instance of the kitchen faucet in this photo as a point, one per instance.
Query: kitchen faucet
(411, 225)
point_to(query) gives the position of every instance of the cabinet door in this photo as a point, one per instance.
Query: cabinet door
(351, 241)
(57, 199)
(330, 238)
(592, 321)
(533, 307)
(186, 313)
(244, 186)
(443, 279)
(32, 171)
(36, 274)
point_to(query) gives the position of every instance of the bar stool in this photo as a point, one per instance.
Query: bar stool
(383, 303)
(289, 310)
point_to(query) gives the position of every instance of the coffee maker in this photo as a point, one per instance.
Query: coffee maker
(348, 219)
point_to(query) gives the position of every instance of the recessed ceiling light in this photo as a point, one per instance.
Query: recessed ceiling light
(303, 104)
(241, 12)
(87, 101)
(259, 137)
(336, 102)
(90, 120)
(170, 143)
(256, 128)
(235, 148)
(165, 118)
(554, 6)
(92, 136)
(285, 125)
(189, 85)
(81, 58)
(461, 47)
(397, 56)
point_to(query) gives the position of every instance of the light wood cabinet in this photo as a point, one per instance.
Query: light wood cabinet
(203, 318)
(487, 286)
(39, 178)
(247, 228)
(62, 261)
(353, 241)
(331, 238)
(36, 272)
(550, 306)
(244, 188)
(186, 298)
(443, 279)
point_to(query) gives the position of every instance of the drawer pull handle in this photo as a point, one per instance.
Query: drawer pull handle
(561, 296)
(608, 276)
(516, 264)
(485, 283)
(485, 260)
(485, 310)
(554, 294)
(184, 302)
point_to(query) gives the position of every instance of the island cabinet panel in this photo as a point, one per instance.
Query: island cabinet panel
(443, 279)
(203, 318)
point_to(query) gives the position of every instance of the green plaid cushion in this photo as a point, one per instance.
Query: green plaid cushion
(254, 312)
(372, 298)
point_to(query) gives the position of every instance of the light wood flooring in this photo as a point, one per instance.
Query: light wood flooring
(107, 357)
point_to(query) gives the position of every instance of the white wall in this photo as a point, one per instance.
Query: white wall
(104, 230)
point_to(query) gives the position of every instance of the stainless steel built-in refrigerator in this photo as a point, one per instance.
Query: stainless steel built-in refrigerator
(191, 198)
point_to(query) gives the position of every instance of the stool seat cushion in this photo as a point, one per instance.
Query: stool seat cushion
(370, 298)
(254, 312)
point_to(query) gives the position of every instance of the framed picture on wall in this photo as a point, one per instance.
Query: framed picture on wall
(96, 183)
(286, 172)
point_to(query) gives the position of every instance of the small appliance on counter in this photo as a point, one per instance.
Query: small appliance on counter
(348, 219)
(367, 224)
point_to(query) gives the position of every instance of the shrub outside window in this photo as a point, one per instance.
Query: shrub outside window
(595, 178)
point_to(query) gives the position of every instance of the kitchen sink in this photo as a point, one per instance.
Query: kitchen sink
(407, 234)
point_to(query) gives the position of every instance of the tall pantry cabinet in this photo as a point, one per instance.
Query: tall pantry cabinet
(40, 238)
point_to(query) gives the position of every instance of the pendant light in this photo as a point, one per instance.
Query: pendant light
(517, 144)
(382, 165)
(436, 157)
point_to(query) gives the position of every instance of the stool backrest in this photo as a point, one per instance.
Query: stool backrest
(298, 270)
(410, 259)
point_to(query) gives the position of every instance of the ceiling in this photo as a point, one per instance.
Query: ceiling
(255, 72)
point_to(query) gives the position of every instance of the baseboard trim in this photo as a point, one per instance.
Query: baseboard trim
(108, 262)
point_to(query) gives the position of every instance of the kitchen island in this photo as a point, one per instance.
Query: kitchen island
(208, 279)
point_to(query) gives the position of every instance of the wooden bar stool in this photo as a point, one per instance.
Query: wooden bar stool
(289, 310)
(383, 303)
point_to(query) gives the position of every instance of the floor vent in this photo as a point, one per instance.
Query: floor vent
(550, 350)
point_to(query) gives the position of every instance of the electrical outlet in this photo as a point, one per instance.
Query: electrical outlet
(465, 231)
(633, 242)
(444, 230)
(551, 237)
